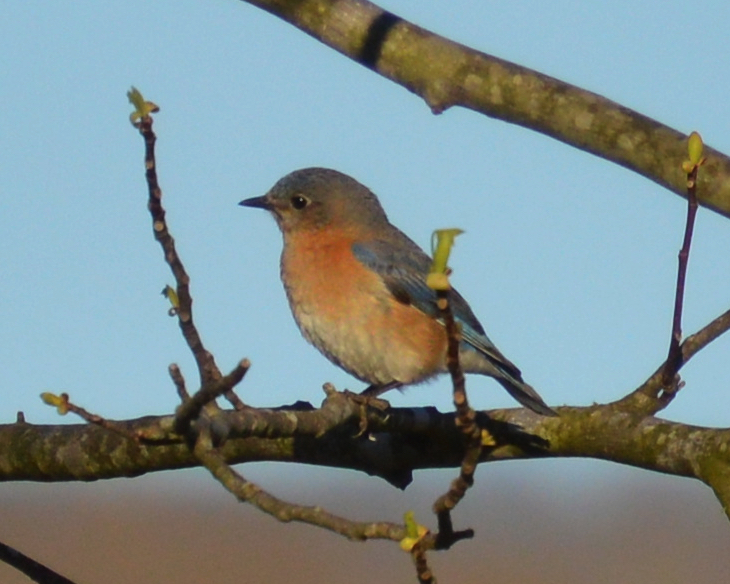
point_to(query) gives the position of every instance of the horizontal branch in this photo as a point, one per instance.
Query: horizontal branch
(446, 74)
(403, 440)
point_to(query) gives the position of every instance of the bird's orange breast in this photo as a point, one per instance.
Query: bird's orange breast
(346, 310)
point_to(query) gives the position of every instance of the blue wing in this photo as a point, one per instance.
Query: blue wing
(403, 266)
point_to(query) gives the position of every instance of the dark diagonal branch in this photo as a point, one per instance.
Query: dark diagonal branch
(28, 566)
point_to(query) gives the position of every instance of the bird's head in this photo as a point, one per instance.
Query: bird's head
(318, 198)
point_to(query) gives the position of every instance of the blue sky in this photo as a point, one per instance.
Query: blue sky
(568, 261)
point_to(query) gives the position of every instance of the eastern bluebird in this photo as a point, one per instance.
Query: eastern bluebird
(356, 285)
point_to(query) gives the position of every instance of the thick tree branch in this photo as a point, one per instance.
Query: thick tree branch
(446, 74)
(405, 439)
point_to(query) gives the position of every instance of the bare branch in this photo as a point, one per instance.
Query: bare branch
(406, 439)
(28, 566)
(647, 399)
(206, 363)
(674, 357)
(249, 492)
(193, 406)
(446, 74)
(466, 422)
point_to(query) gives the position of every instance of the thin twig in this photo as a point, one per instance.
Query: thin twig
(674, 357)
(206, 363)
(234, 400)
(423, 571)
(249, 492)
(466, 421)
(693, 344)
(179, 381)
(649, 397)
(97, 420)
(191, 407)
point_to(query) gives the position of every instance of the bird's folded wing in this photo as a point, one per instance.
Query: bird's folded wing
(403, 267)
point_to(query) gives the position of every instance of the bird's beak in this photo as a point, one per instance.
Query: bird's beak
(258, 202)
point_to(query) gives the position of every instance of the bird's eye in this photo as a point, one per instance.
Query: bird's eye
(299, 202)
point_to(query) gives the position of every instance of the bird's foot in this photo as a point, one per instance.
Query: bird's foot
(365, 401)
(362, 401)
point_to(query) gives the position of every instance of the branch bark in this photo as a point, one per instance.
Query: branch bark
(447, 74)
(405, 440)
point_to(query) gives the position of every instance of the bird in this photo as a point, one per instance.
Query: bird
(356, 285)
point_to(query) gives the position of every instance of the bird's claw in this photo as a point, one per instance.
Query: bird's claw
(364, 402)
